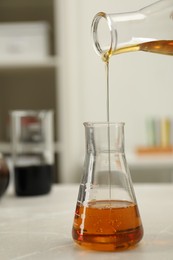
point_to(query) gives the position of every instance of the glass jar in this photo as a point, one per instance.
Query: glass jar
(32, 151)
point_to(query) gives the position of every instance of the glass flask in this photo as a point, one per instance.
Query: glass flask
(149, 29)
(107, 216)
(32, 151)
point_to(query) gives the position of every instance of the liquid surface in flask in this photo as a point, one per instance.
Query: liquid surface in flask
(107, 225)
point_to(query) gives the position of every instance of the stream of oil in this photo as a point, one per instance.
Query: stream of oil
(108, 122)
(159, 46)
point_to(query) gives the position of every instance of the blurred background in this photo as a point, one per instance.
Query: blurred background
(47, 61)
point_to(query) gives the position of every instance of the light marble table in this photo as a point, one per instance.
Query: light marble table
(39, 228)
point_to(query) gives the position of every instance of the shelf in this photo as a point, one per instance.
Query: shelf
(150, 161)
(154, 150)
(14, 63)
(5, 147)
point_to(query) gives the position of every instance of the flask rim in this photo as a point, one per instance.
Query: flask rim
(102, 124)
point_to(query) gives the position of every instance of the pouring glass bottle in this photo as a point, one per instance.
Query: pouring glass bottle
(148, 29)
(107, 216)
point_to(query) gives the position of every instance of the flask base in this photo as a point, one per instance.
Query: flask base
(119, 241)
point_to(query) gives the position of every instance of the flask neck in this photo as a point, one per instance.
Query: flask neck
(104, 137)
(124, 32)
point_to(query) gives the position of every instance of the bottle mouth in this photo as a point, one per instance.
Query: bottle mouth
(103, 124)
(104, 35)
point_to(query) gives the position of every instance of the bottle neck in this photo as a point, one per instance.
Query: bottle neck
(104, 137)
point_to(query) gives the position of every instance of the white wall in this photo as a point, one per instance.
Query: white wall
(140, 83)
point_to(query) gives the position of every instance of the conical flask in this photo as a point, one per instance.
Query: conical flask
(107, 216)
(148, 29)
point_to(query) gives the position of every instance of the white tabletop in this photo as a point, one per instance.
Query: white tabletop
(39, 228)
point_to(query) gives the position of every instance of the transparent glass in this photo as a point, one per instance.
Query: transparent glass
(148, 29)
(107, 216)
(33, 151)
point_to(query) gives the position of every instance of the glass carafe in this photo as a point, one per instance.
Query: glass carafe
(148, 29)
(4, 175)
(107, 216)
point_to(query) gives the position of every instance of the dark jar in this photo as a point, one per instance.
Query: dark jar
(4, 175)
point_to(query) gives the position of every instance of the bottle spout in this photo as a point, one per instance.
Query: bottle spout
(107, 43)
